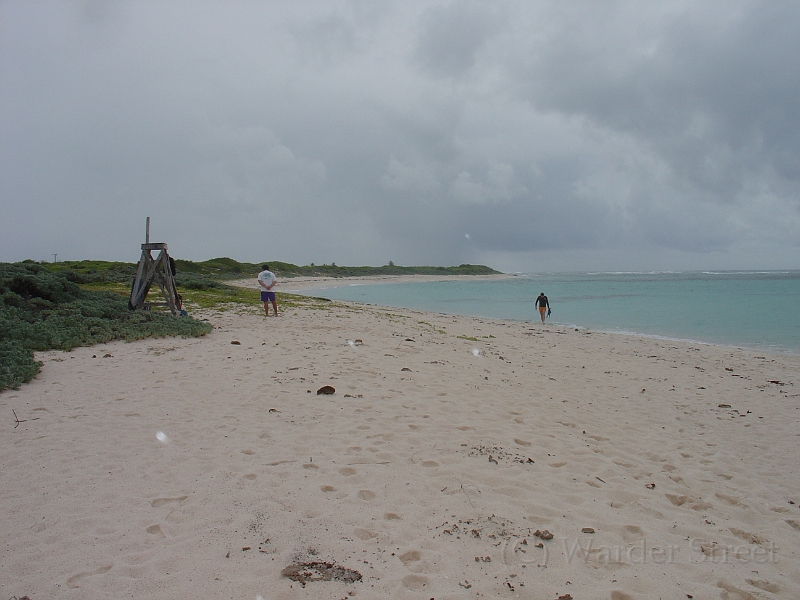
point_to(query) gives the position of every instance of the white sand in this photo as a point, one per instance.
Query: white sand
(298, 284)
(416, 473)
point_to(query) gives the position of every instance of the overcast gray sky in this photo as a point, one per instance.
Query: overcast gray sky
(528, 135)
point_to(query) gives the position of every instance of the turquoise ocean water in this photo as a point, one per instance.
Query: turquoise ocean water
(759, 310)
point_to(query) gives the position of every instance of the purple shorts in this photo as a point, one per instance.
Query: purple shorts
(268, 296)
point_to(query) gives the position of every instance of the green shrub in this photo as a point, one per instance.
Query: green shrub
(17, 365)
(42, 310)
(192, 281)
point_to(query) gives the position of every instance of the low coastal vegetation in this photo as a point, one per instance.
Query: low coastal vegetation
(60, 306)
(94, 271)
(42, 310)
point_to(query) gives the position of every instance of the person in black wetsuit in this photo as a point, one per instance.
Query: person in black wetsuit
(544, 306)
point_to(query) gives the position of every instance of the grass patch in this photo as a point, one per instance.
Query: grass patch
(466, 337)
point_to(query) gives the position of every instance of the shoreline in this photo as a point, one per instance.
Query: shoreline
(300, 285)
(183, 465)
(293, 284)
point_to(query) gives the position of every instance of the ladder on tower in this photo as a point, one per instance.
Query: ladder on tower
(159, 270)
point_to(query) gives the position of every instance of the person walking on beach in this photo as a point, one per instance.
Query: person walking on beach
(544, 306)
(267, 281)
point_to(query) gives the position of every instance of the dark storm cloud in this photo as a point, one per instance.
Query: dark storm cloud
(715, 89)
(452, 34)
(419, 132)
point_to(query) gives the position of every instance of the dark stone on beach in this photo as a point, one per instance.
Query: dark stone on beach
(587, 530)
(235, 343)
(723, 405)
(326, 390)
(543, 535)
(405, 369)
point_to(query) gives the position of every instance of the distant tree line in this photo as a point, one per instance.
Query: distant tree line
(191, 274)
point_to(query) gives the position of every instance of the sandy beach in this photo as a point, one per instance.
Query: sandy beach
(457, 458)
(299, 284)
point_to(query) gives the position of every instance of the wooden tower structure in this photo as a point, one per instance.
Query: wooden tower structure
(159, 270)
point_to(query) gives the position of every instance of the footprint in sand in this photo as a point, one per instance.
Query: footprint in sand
(155, 503)
(557, 465)
(392, 517)
(415, 582)
(154, 532)
(694, 503)
(366, 495)
(730, 500)
(617, 595)
(620, 499)
(764, 585)
(327, 488)
(248, 452)
(430, 464)
(410, 557)
(310, 466)
(751, 538)
(75, 581)
(521, 442)
(738, 592)
(347, 471)
(632, 533)
(250, 476)
(364, 534)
